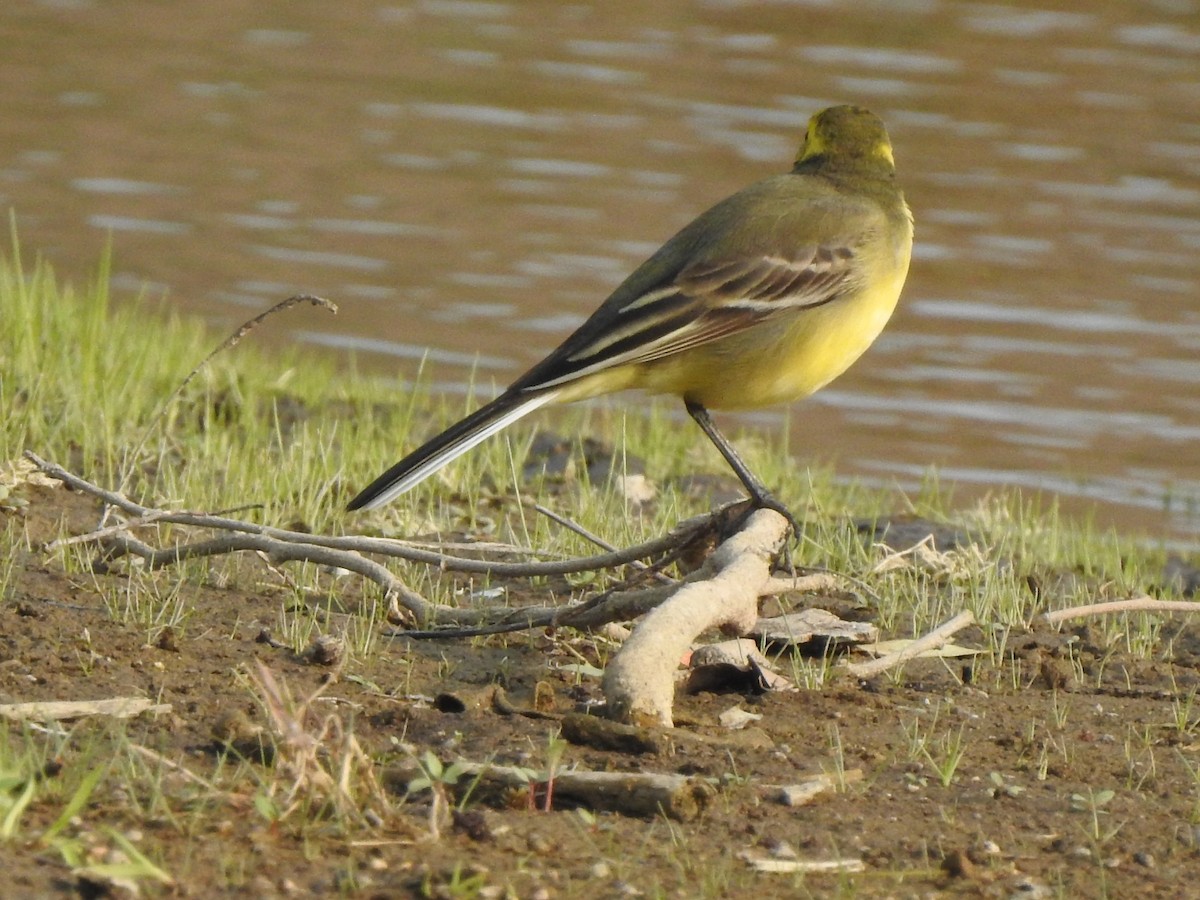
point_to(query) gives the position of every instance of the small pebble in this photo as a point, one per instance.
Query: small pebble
(327, 650)
(983, 852)
(781, 850)
(1028, 889)
(800, 794)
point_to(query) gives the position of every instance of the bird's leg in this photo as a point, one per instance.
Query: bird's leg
(762, 497)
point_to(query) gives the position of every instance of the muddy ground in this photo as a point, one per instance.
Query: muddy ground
(1026, 812)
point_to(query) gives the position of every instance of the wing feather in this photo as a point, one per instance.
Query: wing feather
(708, 300)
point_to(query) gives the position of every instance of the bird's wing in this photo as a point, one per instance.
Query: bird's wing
(707, 300)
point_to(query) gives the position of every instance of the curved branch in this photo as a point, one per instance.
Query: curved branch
(638, 681)
(405, 606)
(380, 546)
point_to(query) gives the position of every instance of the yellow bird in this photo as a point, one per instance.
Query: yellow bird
(763, 299)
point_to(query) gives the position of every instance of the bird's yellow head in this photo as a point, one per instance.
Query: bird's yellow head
(847, 134)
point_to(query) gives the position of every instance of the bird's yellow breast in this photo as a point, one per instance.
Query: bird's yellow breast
(784, 358)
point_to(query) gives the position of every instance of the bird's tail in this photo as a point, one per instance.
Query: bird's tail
(448, 446)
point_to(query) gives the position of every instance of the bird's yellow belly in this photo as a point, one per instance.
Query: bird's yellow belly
(780, 360)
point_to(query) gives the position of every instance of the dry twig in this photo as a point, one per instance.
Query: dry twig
(411, 551)
(1144, 603)
(930, 641)
(351, 554)
(638, 681)
(647, 794)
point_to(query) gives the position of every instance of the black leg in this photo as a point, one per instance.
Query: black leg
(758, 491)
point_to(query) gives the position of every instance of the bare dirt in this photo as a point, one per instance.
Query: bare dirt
(1044, 736)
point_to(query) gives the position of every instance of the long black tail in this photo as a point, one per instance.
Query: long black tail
(448, 446)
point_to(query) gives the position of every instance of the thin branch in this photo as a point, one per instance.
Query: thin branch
(403, 604)
(596, 539)
(232, 341)
(395, 591)
(930, 641)
(1143, 603)
(611, 606)
(683, 532)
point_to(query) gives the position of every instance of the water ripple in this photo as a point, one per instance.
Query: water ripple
(322, 258)
(137, 224)
(404, 351)
(122, 186)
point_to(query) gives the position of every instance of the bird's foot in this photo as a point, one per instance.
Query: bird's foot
(765, 500)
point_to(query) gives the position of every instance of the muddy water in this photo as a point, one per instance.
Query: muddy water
(475, 176)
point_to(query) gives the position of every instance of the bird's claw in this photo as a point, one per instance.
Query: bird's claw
(767, 501)
(764, 500)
